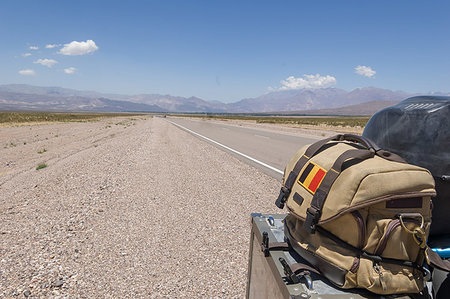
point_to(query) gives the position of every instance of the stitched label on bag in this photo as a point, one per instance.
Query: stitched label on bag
(311, 177)
(404, 203)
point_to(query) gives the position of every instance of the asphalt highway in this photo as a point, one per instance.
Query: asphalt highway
(268, 151)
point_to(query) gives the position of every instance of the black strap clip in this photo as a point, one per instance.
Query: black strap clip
(265, 244)
(291, 276)
(284, 193)
(312, 218)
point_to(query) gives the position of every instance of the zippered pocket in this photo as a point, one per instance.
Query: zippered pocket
(385, 235)
(397, 242)
(361, 225)
(350, 228)
(384, 278)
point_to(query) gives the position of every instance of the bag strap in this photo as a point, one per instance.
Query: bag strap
(298, 267)
(364, 141)
(436, 261)
(314, 212)
(310, 152)
(267, 246)
(373, 257)
(357, 251)
(314, 148)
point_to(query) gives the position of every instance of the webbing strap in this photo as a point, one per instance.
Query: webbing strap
(281, 246)
(390, 156)
(266, 246)
(364, 254)
(309, 153)
(358, 252)
(314, 212)
(298, 267)
(366, 142)
(314, 148)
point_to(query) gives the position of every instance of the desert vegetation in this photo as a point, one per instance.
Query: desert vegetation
(40, 166)
(337, 121)
(28, 117)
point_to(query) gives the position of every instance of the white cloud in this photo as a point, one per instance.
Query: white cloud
(34, 48)
(46, 62)
(26, 54)
(308, 81)
(366, 71)
(70, 70)
(27, 72)
(51, 46)
(79, 48)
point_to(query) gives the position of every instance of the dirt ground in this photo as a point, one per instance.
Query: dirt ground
(124, 208)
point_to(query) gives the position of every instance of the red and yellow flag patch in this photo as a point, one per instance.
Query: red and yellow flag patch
(311, 177)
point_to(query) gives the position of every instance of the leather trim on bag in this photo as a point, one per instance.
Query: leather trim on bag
(367, 203)
(355, 265)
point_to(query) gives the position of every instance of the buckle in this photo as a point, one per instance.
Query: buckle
(265, 244)
(291, 277)
(284, 193)
(312, 217)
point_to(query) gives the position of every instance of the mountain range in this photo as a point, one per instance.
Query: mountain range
(316, 101)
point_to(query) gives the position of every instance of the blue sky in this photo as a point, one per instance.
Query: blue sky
(226, 50)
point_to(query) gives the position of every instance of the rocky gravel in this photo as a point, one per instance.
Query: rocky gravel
(124, 208)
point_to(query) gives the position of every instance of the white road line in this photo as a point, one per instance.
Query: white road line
(260, 136)
(228, 148)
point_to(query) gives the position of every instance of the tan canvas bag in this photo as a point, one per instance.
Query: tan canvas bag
(359, 214)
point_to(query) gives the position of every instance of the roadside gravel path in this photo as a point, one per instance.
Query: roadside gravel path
(135, 209)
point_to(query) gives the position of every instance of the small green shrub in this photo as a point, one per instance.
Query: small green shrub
(40, 166)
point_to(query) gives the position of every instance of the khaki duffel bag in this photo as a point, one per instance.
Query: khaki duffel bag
(359, 214)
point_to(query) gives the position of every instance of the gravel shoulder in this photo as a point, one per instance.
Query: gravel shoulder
(125, 208)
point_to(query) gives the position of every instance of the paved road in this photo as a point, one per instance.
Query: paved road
(272, 148)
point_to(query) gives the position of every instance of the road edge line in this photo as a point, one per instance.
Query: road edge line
(229, 148)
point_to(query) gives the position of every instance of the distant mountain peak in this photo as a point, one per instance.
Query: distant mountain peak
(15, 96)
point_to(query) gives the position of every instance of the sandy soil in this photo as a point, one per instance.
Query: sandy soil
(125, 208)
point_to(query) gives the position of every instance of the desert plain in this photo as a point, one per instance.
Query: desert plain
(124, 207)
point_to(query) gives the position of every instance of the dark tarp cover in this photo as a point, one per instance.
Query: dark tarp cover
(418, 129)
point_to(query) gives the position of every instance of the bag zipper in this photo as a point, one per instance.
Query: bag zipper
(361, 228)
(377, 269)
(365, 204)
(389, 229)
(355, 265)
